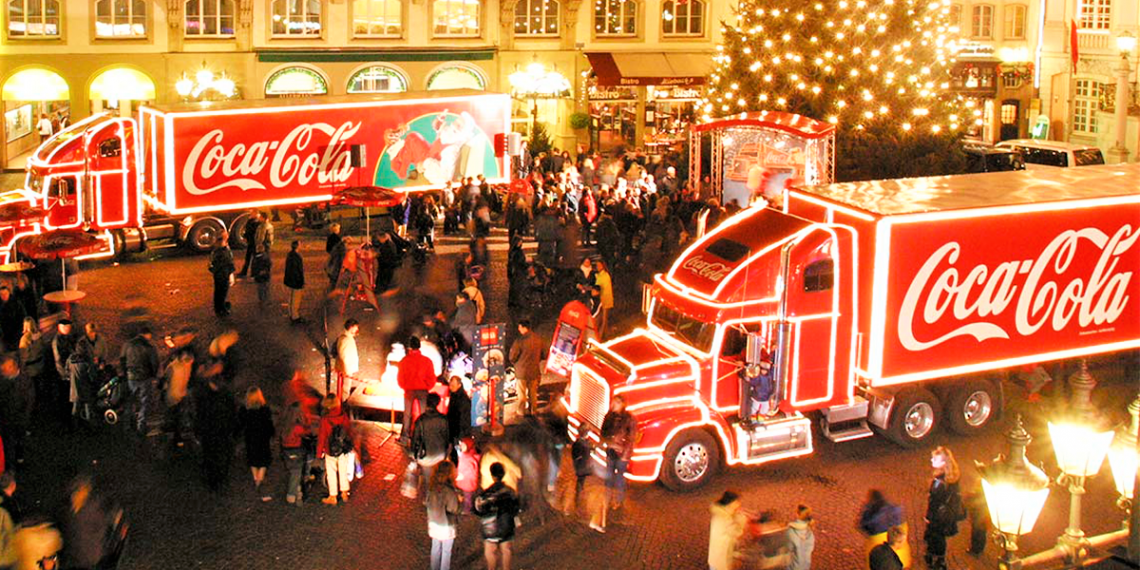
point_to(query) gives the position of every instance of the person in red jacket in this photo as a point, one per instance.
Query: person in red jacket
(416, 376)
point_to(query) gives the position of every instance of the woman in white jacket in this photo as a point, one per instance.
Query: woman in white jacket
(728, 523)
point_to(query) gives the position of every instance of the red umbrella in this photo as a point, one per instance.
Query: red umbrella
(58, 244)
(17, 213)
(369, 197)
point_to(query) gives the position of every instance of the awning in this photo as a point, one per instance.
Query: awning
(650, 68)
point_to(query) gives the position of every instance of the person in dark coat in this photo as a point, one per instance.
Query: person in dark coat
(222, 268)
(387, 261)
(497, 507)
(943, 507)
(217, 424)
(458, 411)
(11, 319)
(17, 397)
(295, 281)
(885, 556)
(333, 238)
(87, 526)
(249, 234)
(256, 420)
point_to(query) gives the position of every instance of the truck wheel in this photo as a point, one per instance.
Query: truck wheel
(915, 417)
(690, 461)
(971, 406)
(237, 232)
(204, 235)
(119, 239)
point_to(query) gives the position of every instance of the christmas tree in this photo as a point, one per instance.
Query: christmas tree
(878, 70)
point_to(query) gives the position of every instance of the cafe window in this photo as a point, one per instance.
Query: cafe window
(683, 18)
(456, 76)
(456, 18)
(536, 18)
(295, 82)
(377, 18)
(296, 18)
(209, 18)
(33, 18)
(120, 18)
(615, 18)
(377, 79)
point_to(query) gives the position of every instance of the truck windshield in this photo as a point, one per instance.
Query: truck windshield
(696, 333)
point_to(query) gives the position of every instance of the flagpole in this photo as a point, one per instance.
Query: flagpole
(1075, 57)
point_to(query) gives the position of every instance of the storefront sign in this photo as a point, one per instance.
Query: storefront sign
(597, 93)
(677, 93)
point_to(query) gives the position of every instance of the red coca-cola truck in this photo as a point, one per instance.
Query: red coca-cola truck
(189, 171)
(893, 306)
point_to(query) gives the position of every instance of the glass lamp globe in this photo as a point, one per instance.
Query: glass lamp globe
(1122, 455)
(1015, 489)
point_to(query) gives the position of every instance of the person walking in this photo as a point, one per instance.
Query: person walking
(295, 281)
(44, 127)
(430, 441)
(443, 514)
(887, 555)
(17, 398)
(468, 479)
(605, 286)
(879, 516)
(943, 507)
(416, 376)
(217, 424)
(497, 506)
(62, 345)
(256, 420)
(619, 434)
(336, 446)
(293, 451)
(801, 539)
(458, 411)
(249, 235)
(139, 361)
(725, 529)
(222, 268)
(347, 359)
(526, 356)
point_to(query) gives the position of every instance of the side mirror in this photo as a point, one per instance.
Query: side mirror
(646, 297)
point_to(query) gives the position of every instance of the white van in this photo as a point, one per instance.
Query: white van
(1037, 153)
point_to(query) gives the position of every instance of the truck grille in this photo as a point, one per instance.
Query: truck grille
(590, 396)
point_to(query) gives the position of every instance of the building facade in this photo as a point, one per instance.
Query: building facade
(634, 66)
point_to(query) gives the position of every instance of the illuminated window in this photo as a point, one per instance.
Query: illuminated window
(1085, 105)
(615, 17)
(683, 18)
(982, 22)
(819, 276)
(377, 18)
(456, 18)
(295, 82)
(1009, 114)
(33, 18)
(1011, 80)
(210, 17)
(955, 17)
(1015, 22)
(377, 79)
(536, 18)
(293, 18)
(456, 77)
(120, 18)
(1095, 14)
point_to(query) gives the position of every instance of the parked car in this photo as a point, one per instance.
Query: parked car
(1053, 153)
(987, 158)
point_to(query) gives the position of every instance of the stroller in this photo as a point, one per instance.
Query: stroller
(111, 399)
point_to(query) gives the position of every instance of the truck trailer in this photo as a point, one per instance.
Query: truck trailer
(189, 171)
(894, 307)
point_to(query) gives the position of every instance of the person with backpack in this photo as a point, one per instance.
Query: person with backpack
(943, 507)
(497, 506)
(335, 445)
(801, 539)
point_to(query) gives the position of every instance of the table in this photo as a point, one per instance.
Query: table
(65, 298)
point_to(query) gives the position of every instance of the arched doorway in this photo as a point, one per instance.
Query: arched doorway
(296, 81)
(30, 97)
(456, 76)
(122, 89)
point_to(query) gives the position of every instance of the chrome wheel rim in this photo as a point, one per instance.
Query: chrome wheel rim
(206, 237)
(919, 420)
(691, 463)
(977, 409)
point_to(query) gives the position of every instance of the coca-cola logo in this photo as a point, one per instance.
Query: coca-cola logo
(296, 159)
(1041, 292)
(711, 270)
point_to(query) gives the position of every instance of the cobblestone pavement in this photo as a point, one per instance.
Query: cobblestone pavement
(177, 524)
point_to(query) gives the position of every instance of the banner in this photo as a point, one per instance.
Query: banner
(489, 365)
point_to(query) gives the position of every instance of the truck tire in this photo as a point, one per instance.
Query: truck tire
(237, 232)
(204, 235)
(916, 415)
(971, 406)
(690, 461)
(119, 239)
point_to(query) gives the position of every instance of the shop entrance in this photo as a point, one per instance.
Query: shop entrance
(35, 100)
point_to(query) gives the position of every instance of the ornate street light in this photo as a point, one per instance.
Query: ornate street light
(1126, 43)
(1015, 492)
(204, 84)
(1080, 441)
(1122, 457)
(536, 82)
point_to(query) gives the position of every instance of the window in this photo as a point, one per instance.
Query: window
(456, 77)
(1010, 80)
(295, 82)
(683, 18)
(1015, 22)
(982, 22)
(377, 18)
(33, 18)
(819, 275)
(536, 18)
(615, 17)
(296, 18)
(209, 18)
(120, 18)
(377, 79)
(687, 329)
(1008, 113)
(111, 148)
(955, 17)
(456, 18)
(1095, 14)
(1085, 106)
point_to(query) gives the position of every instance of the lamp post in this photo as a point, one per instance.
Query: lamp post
(1080, 442)
(1126, 42)
(1122, 457)
(1015, 492)
(203, 83)
(536, 82)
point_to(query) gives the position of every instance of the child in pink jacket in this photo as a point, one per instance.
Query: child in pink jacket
(468, 479)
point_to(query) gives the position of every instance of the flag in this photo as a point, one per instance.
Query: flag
(1073, 44)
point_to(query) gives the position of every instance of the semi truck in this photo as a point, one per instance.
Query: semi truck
(188, 171)
(893, 307)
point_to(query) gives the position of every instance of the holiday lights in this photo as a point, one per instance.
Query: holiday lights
(895, 56)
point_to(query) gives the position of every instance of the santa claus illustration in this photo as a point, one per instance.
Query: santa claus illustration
(438, 161)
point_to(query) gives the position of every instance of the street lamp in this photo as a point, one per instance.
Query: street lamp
(1015, 492)
(1122, 457)
(536, 82)
(203, 82)
(1080, 442)
(1126, 42)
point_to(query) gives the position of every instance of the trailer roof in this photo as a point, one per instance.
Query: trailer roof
(323, 100)
(962, 191)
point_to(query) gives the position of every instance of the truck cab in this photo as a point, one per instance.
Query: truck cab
(764, 277)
